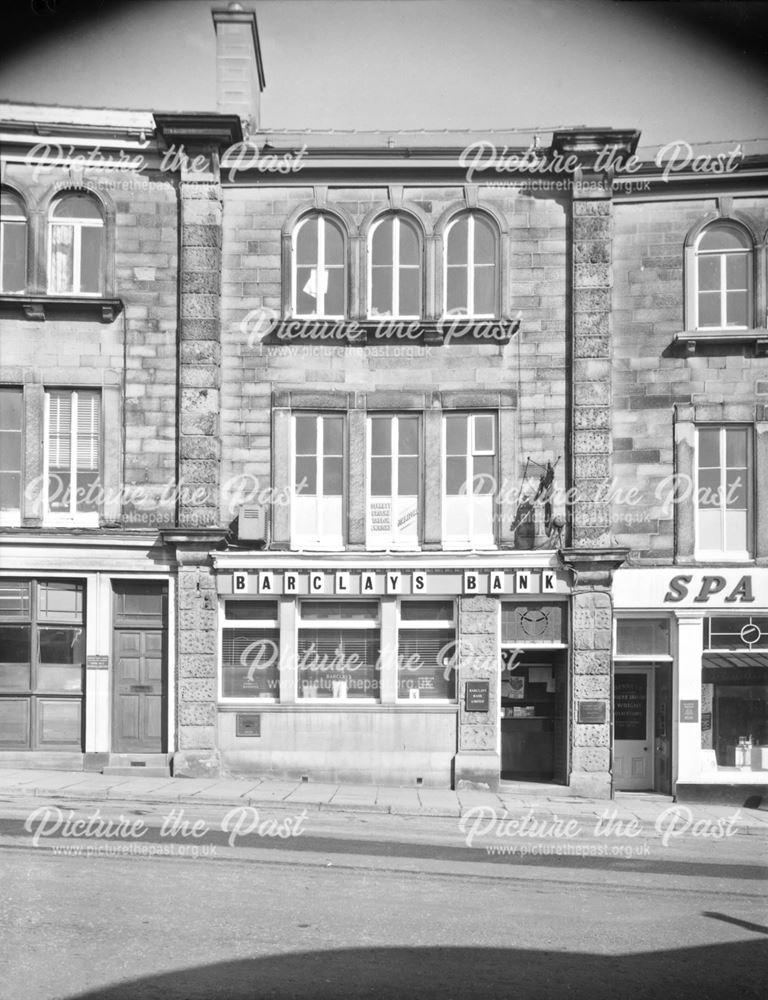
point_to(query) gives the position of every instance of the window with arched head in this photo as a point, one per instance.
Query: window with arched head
(13, 243)
(471, 266)
(319, 267)
(723, 278)
(394, 268)
(76, 246)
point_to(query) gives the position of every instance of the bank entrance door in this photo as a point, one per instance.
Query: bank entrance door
(633, 718)
(534, 699)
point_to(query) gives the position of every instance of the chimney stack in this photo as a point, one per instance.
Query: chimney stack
(239, 68)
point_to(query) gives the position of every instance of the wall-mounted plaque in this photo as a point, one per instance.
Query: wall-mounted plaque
(97, 662)
(689, 710)
(248, 725)
(477, 696)
(592, 713)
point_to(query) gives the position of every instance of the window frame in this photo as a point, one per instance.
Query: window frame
(21, 221)
(747, 250)
(322, 219)
(739, 555)
(472, 540)
(322, 540)
(338, 624)
(396, 219)
(391, 541)
(11, 516)
(267, 624)
(72, 517)
(428, 625)
(471, 266)
(77, 225)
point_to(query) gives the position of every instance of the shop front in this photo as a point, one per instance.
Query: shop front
(691, 682)
(428, 674)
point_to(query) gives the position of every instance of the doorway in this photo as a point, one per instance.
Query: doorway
(140, 678)
(534, 738)
(633, 721)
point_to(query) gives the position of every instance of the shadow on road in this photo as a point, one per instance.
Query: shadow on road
(713, 972)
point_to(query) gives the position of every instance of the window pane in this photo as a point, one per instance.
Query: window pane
(347, 610)
(410, 292)
(736, 447)
(409, 435)
(456, 435)
(711, 529)
(60, 601)
(457, 241)
(455, 476)
(76, 206)
(736, 493)
(381, 249)
(709, 488)
(646, 638)
(334, 243)
(381, 291)
(61, 645)
(709, 273)
(409, 244)
(11, 206)
(306, 475)
(58, 722)
(736, 531)
(306, 291)
(736, 271)
(306, 435)
(91, 259)
(333, 435)
(709, 448)
(723, 238)
(14, 722)
(426, 663)
(381, 477)
(334, 296)
(339, 663)
(15, 644)
(332, 477)
(61, 277)
(14, 272)
(485, 291)
(250, 662)
(10, 409)
(737, 309)
(483, 480)
(408, 477)
(456, 298)
(485, 244)
(306, 244)
(709, 309)
(14, 598)
(381, 435)
(483, 428)
(61, 679)
(416, 611)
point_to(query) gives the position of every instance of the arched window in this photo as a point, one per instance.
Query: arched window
(76, 240)
(471, 267)
(13, 243)
(723, 275)
(394, 272)
(319, 269)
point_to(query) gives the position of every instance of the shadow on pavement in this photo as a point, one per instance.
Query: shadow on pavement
(712, 972)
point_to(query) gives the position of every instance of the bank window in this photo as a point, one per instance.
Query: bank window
(394, 274)
(13, 243)
(339, 650)
(724, 499)
(426, 651)
(11, 423)
(471, 252)
(319, 269)
(42, 658)
(250, 651)
(72, 456)
(76, 246)
(393, 481)
(469, 449)
(723, 278)
(318, 481)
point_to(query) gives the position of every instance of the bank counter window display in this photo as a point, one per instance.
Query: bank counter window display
(734, 691)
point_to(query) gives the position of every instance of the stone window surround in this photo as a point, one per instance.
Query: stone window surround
(357, 406)
(34, 386)
(686, 420)
(759, 295)
(431, 235)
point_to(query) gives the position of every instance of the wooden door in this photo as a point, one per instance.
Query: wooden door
(139, 690)
(633, 729)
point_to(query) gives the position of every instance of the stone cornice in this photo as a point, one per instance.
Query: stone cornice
(195, 129)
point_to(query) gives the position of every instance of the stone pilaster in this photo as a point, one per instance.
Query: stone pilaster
(477, 763)
(200, 345)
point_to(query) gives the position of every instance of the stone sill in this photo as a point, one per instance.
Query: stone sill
(44, 307)
(691, 340)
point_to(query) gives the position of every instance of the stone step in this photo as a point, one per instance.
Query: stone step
(147, 765)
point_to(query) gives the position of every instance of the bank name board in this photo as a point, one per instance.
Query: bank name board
(374, 583)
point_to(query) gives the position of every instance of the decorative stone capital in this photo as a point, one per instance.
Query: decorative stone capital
(593, 567)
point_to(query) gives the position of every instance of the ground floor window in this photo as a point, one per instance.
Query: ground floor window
(426, 650)
(250, 650)
(42, 659)
(339, 650)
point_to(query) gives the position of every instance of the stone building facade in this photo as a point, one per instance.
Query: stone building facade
(387, 439)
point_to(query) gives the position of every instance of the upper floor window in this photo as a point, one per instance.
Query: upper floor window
(72, 456)
(13, 243)
(724, 495)
(394, 474)
(471, 267)
(11, 416)
(469, 479)
(318, 483)
(394, 278)
(76, 238)
(723, 294)
(319, 269)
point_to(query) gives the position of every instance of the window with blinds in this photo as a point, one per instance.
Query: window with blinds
(339, 654)
(426, 651)
(250, 650)
(73, 454)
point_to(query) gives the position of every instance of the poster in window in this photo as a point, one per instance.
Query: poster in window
(630, 706)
